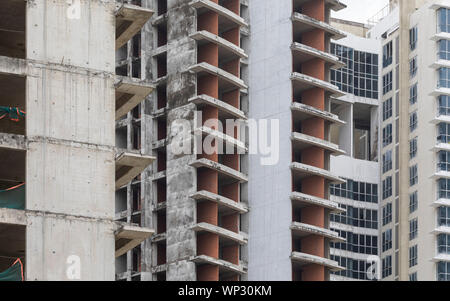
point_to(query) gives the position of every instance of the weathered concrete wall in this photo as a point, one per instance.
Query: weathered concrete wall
(70, 129)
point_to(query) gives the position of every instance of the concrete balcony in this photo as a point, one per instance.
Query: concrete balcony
(303, 53)
(302, 230)
(129, 166)
(304, 171)
(302, 82)
(224, 266)
(303, 259)
(440, 91)
(441, 203)
(223, 140)
(441, 147)
(304, 200)
(227, 18)
(440, 118)
(128, 237)
(303, 23)
(335, 5)
(225, 235)
(159, 237)
(440, 63)
(441, 230)
(441, 257)
(441, 174)
(225, 205)
(13, 217)
(441, 36)
(225, 110)
(129, 93)
(302, 141)
(13, 142)
(227, 50)
(227, 81)
(129, 21)
(226, 174)
(302, 112)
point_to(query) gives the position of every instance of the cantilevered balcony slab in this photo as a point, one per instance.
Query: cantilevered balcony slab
(441, 203)
(223, 233)
(303, 53)
(441, 230)
(225, 140)
(441, 174)
(303, 259)
(230, 110)
(227, 18)
(224, 266)
(12, 141)
(129, 21)
(129, 166)
(302, 112)
(13, 217)
(129, 93)
(227, 49)
(302, 82)
(441, 36)
(304, 23)
(304, 171)
(305, 200)
(303, 230)
(440, 91)
(335, 5)
(440, 118)
(221, 169)
(128, 237)
(441, 146)
(441, 257)
(440, 64)
(301, 141)
(226, 79)
(226, 205)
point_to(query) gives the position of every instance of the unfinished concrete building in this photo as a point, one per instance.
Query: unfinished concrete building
(60, 99)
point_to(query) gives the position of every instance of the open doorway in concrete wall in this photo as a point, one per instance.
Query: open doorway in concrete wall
(12, 252)
(12, 104)
(12, 28)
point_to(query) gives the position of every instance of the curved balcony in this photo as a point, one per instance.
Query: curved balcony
(225, 110)
(227, 50)
(302, 82)
(302, 259)
(303, 53)
(303, 230)
(304, 200)
(223, 139)
(302, 141)
(226, 174)
(224, 234)
(301, 112)
(335, 5)
(224, 266)
(225, 205)
(304, 23)
(227, 18)
(226, 79)
(303, 171)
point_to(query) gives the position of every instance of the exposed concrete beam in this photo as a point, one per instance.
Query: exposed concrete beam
(221, 105)
(302, 112)
(303, 141)
(222, 232)
(129, 93)
(129, 166)
(222, 264)
(303, 53)
(304, 171)
(303, 82)
(224, 139)
(129, 237)
(11, 141)
(129, 21)
(303, 259)
(220, 200)
(13, 217)
(226, 48)
(303, 230)
(306, 200)
(225, 170)
(220, 10)
(304, 23)
(223, 75)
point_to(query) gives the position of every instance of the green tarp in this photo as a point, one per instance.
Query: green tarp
(13, 198)
(14, 273)
(14, 114)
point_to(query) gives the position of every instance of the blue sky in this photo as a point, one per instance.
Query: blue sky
(360, 10)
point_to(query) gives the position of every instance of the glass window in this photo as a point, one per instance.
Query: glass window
(443, 271)
(413, 202)
(387, 161)
(387, 135)
(444, 78)
(413, 276)
(413, 148)
(387, 187)
(413, 38)
(444, 105)
(443, 20)
(444, 50)
(386, 239)
(387, 214)
(444, 161)
(413, 94)
(444, 189)
(413, 229)
(387, 54)
(387, 83)
(413, 256)
(444, 216)
(413, 121)
(387, 266)
(387, 109)
(413, 67)
(444, 133)
(443, 242)
(413, 175)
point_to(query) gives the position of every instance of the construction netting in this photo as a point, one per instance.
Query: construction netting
(13, 197)
(13, 273)
(14, 114)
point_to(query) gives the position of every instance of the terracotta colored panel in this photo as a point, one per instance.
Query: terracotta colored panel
(232, 67)
(314, 245)
(207, 212)
(314, 68)
(314, 9)
(232, 36)
(207, 179)
(313, 273)
(314, 216)
(209, 21)
(314, 127)
(232, 98)
(208, 85)
(314, 186)
(230, 222)
(314, 97)
(231, 254)
(314, 38)
(208, 53)
(233, 5)
(231, 191)
(207, 273)
(208, 244)
(314, 156)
